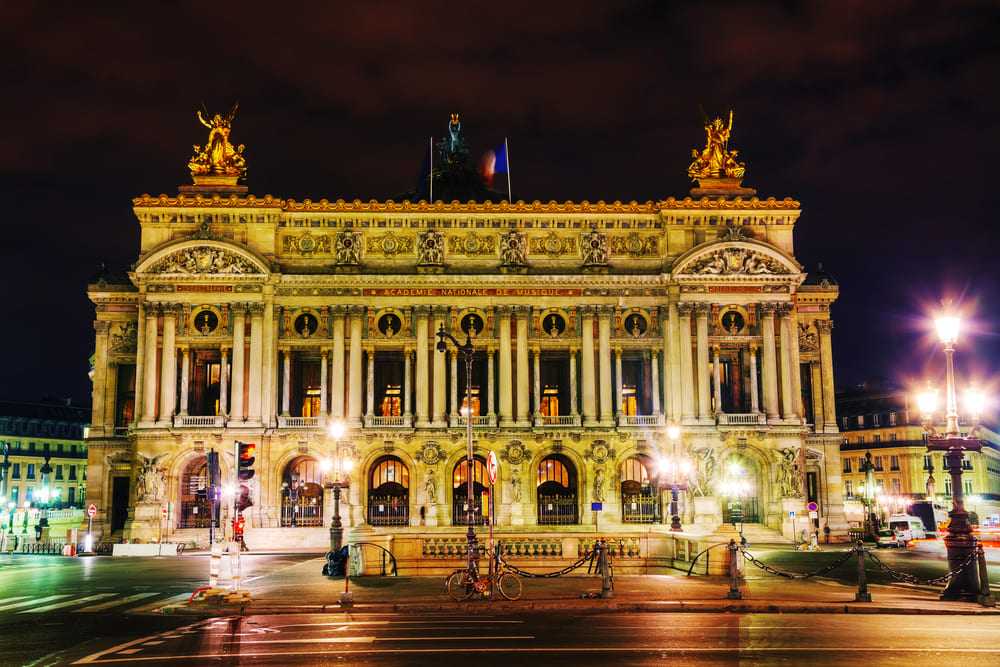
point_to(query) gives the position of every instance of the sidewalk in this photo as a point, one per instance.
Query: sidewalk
(303, 589)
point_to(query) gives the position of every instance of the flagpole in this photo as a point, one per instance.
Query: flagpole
(506, 150)
(430, 176)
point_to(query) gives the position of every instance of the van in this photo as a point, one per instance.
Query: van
(907, 527)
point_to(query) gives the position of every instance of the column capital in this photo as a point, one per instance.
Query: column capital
(605, 311)
(238, 309)
(573, 351)
(824, 326)
(357, 311)
(702, 309)
(185, 349)
(753, 349)
(422, 312)
(224, 351)
(685, 308)
(784, 309)
(102, 327)
(439, 311)
(716, 349)
(256, 309)
(767, 308)
(505, 310)
(522, 312)
(654, 352)
(339, 311)
(169, 310)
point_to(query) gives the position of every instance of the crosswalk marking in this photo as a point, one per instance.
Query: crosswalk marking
(13, 599)
(115, 602)
(183, 597)
(65, 603)
(25, 603)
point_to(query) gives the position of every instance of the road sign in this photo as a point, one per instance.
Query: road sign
(813, 515)
(791, 514)
(91, 510)
(812, 507)
(492, 466)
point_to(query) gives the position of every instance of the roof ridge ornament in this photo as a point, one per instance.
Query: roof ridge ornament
(715, 167)
(218, 162)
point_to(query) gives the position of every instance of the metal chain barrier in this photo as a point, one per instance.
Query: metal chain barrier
(910, 579)
(586, 558)
(788, 575)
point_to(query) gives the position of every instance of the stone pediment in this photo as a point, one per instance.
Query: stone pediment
(197, 257)
(735, 259)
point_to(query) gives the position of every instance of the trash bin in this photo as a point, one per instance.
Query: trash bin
(336, 563)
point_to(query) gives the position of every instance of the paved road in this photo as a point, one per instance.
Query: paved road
(565, 638)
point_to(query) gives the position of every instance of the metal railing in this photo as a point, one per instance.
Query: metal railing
(388, 510)
(557, 510)
(638, 508)
(300, 514)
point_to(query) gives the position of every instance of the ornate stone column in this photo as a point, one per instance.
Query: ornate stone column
(701, 363)
(453, 385)
(684, 311)
(717, 372)
(286, 380)
(604, 315)
(655, 374)
(324, 385)
(796, 371)
(754, 400)
(770, 369)
(491, 387)
(589, 374)
(816, 381)
(99, 411)
(537, 374)
(185, 378)
(168, 365)
(788, 339)
(826, 361)
(337, 381)
(440, 409)
(506, 372)
(423, 417)
(256, 362)
(370, 387)
(572, 385)
(224, 381)
(407, 384)
(354, 407)
(238, 412)
(523, 406)
(619, 388)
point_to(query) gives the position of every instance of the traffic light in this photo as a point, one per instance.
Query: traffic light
(243, 498)
(238, 525)
(244, 460)
(214, 473)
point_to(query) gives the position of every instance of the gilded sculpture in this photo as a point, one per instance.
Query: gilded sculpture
(716, 160)
(218, 158)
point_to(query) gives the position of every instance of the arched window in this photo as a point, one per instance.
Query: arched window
(460, 485)
(556, 488)
(302, 493)
(640, 495)
(195, 510)
(389, 493)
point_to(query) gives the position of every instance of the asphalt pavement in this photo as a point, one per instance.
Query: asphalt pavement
(759, 592)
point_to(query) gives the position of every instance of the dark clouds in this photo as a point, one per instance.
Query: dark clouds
(878, 117)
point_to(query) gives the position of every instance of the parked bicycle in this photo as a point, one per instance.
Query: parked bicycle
(463, 583)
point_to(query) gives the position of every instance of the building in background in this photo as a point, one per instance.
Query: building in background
(596, 325)
(882, 419)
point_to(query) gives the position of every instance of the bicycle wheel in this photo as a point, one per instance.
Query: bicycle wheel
(459, 585)
(510, 586)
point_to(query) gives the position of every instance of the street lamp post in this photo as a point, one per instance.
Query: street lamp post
(674, 432)
(960, 542)
(869, 491)
(467, 351)
(736, 486)
(338, 484)
(43, 521)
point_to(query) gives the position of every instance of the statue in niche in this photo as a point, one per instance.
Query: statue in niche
(599, 485)
(787, 479)
(151, 480)
(218, 157)
(430, 487)
(512, 249)
(515, 484)
(595, 248)
(430, 248)
(348, 248)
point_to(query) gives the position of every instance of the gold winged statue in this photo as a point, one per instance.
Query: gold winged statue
(716, 160)
(218, 158)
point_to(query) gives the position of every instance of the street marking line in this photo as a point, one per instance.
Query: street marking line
(19, 597)
(66, 603)
(33, 601)
(114, 603)
(182, 597)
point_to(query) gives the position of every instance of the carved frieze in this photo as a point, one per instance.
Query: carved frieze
(552, 245)
(203, 260)
(306, 243)
(347, 248)
(727, 261)
(389, 245)
(635, 245)
(124, 337)
(472, 245)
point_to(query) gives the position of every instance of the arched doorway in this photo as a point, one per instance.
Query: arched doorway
(195, 508)
(640, 491)
(739, 488)
(459, 509)
(389, 493)
(556, 489)
(302, 493)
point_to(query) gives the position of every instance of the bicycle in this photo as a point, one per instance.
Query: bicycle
(461, 584)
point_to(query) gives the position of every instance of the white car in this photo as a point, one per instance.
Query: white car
(889, 538)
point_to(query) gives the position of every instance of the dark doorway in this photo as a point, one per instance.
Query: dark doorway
(119, 503)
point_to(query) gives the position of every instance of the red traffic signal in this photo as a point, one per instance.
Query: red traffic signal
(245, 460)
(243, 498)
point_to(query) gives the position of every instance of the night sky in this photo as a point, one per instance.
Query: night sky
(879, 117)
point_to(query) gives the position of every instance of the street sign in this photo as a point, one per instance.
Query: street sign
(492, 466)
(791, 514)
(813, 514)
(596, 507)
(91, 510)
(812, 507)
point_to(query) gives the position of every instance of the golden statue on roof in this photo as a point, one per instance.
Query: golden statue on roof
(218, 158)
(716, 160)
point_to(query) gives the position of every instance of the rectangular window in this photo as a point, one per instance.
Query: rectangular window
(892, 419)
(59, 448)
(13, 494)
(847, 465)
(59, 473)
(928, 462)
(861, 439)
(875, 421)
(967, 487)
(16, 471)
(848, 488)
(31, 447)
(966, 463)
(861, 421)
(894, 462)
(893, 437)
(844, 422)
(72, 472)
(947, 486)
(878, 463)
(895, 486)
(31, 471)
(876, 438)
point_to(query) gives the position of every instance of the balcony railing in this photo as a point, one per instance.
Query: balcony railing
(301, 422)
(199, 421)
(400, 421)
(640, 420)
(737, 419)
(557, 420)
(477, 420)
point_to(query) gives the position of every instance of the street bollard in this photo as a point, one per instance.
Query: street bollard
(347, 597)
(603, 562)
(862, 595)
(214, 565)
(985, 598)
(734, 588)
